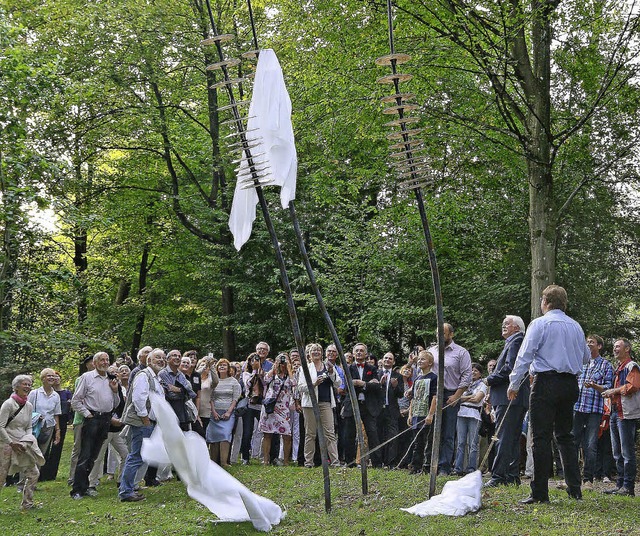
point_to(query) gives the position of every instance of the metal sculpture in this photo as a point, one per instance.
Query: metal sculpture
(412, 166)
(257, 176)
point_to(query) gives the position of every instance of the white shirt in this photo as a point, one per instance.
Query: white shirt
(46, 405)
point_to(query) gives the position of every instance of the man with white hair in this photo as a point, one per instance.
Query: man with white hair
(95, 398)
(142, 362)
(506, 464)
(141, 419)
(263, 349)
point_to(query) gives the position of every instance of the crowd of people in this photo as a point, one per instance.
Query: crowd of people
(550, 388)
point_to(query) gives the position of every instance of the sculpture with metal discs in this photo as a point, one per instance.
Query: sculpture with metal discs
(412, 166)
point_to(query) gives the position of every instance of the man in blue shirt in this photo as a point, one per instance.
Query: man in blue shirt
(596, 377)
(553, 352)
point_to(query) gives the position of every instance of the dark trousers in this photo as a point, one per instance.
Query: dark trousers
(552, 399)
(248, 423)
(448, 434)
(506, 464)
(422, 446)
(49, 470)
(94, 433)
(388, 428)
(371, 429)
(339, 426)
(604, 458)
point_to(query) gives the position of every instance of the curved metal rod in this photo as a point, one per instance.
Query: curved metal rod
(293, 316)
(334, 335)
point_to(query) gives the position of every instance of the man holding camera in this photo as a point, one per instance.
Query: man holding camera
(95, 398)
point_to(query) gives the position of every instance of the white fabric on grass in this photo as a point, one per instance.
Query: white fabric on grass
(458, 497)
(206, 482)
(269, 124)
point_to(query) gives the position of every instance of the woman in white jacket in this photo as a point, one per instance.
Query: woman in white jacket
(325, 380)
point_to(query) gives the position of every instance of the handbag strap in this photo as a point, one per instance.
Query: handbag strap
(15, 414)
(281, 386)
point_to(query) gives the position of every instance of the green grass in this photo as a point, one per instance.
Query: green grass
(168, 509)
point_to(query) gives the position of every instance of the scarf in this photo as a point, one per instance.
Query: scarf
(19, 399)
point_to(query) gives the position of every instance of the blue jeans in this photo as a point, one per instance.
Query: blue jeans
(467, 430)
(623, 437)
(134, 460)
(585, 433)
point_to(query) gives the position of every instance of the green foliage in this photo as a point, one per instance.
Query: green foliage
(105, 118)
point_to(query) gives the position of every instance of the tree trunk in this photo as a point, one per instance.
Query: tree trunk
(542, 232)
(143, 272)
(10, 217)
(542, 210)
(81, 264)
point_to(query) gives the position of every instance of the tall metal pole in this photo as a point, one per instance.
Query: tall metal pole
(364, 457)
(411, 165)
(435, 279)
(245, 145)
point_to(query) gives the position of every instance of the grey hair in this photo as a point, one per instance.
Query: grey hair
(19, 379)
(517, 321)
(100, 355)
(144, 350)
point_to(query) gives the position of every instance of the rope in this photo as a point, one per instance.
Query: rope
(486, 456)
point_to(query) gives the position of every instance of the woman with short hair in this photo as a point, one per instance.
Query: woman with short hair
(223, 401)
(253, 380)
(324, 379)
(19, 450)
(279, 384)
(46, 401)
(208, 382)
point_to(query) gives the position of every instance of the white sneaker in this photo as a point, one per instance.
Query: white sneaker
(606, 480)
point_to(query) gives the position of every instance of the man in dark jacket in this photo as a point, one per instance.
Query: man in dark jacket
(392, 387)
(369, 393)
(506, 466)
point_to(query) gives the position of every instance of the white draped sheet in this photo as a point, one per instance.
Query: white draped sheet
(458, 497)
(206, 482)
(269, 125)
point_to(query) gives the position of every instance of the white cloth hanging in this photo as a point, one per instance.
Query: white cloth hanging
(206, 481)
(269, 125)
(458, 497)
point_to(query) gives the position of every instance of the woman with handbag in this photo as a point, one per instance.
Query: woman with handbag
(223, 401)
(46, 401)
(325, 380)
(19, 450)
(253, 380)
(275, 417)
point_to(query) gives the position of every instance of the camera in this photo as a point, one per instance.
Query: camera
(111, 376)
(282, 359)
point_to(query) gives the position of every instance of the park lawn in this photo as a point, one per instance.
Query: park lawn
(168, 509)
